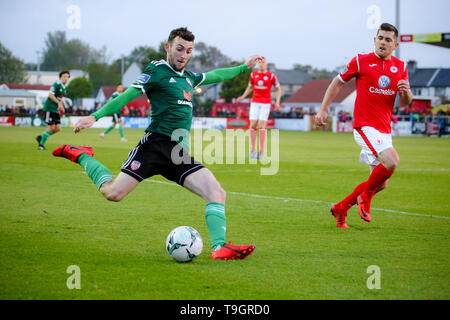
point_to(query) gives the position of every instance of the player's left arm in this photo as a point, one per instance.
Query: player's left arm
(219, 75)
(405, 93)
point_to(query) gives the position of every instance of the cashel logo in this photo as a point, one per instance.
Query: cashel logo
(384, 81)
(135, 165)
(187, 95)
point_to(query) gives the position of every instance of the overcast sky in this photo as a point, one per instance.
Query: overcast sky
(322, 33)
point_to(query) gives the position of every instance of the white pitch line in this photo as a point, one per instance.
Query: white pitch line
(307, 200)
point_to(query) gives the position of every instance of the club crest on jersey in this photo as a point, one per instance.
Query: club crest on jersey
(187, 95)
(394, 69)
(189, 81)
(384, 81)
(135, 165)
(265, 78)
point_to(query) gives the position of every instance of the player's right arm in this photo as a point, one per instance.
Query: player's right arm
(331, 93)
(351, 71)
(110, 107)
(246, 93)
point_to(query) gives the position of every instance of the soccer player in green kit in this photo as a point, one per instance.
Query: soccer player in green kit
(116, 116)
(53, 107)
(170, 89)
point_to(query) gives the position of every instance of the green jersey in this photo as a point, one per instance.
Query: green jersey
(59, 91)
(171, 95)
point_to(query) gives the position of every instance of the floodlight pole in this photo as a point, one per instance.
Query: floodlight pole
(397, 24)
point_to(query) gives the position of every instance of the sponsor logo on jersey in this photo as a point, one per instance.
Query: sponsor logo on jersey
(187, 95)
(135, 165)
(260, 83)
(394, 69)
(384, 81)
(187, 103)
(387, 92)
(143, 78)
(189, 81)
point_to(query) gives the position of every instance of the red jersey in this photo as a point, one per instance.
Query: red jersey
(262, 84)
(376, 89)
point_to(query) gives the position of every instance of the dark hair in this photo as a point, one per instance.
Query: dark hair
(388, 27)
(119, 84)
(63, 72)
(183, 33)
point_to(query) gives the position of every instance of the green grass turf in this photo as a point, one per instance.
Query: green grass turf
(51, 217)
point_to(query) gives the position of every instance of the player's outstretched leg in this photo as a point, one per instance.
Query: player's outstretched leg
(83, 155)
(204, 184)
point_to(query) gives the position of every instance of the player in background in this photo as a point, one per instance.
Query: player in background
(117, 117)
(379, 77)
(53, 108)
(261, 82)
(171, 89)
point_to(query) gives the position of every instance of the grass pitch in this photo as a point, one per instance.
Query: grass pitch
(52, 217)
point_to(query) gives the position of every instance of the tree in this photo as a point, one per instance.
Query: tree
(314, 72)
(235, 87)
(60, 54)
(143, 55)
(79, 88)
(102, 74)
(12, 69)
(210, 56)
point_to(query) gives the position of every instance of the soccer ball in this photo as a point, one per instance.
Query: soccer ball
(184, 244)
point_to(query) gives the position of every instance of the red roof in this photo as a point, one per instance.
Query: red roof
(25, 86)
(314, 90)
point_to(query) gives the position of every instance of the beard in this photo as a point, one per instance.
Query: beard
(172, 63)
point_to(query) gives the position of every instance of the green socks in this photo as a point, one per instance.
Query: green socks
(112, 127)
(216, 223)
(44, 136)
(120, 130)
(94, 169)
(109, 129)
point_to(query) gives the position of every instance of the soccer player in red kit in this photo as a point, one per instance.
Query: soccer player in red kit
(379, 77)
(261, 82)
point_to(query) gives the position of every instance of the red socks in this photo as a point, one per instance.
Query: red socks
(378, 176)
(253, 138)
(350, 200)
(262, 139)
